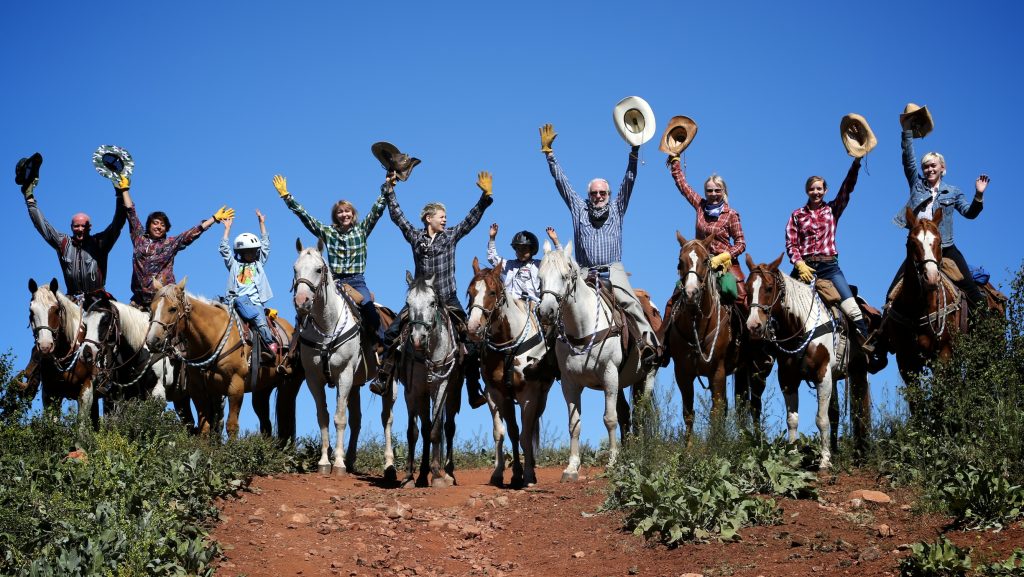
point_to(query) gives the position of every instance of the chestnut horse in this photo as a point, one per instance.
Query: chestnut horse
(512, 361)
(206, 336)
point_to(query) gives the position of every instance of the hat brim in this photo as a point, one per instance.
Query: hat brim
(634, 120)
(108, 169)
(919, 121)
(857, 136)
(27, 170)
(392, 159)
(678, 135)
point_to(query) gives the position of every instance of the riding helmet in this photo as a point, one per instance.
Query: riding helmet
(527, 239)
(246, 240)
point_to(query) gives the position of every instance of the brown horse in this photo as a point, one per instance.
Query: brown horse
(206, 337)
(514, 367)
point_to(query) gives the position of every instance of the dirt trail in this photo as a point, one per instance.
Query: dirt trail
(311, 525)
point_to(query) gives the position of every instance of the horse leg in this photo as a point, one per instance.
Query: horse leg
(825, 390)
(833, 417)
(411, 434)
(261, 406)
(341, 400)
(684, 381)
(498, 429)
(859, 392)
(789, 382)
(531, 418)
(719, 399)
(508, 412)
(623, 415)
(452, 404)
(355, 417)
(611, 416)
(387, 420)
(756, 383)
(426, 432)
(314, 382)
(571, 392)
(234, 407)
(284, 409)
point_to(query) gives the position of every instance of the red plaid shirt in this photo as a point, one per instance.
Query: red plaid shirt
(813, 232)
(726, 231)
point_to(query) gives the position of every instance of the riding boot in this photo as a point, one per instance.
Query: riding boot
(381, 384)
(471, 370)
(852, 311)
(663, 331)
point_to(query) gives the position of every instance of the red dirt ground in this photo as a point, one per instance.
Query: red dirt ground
(312, 525)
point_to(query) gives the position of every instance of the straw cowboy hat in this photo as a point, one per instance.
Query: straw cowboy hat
(113, 162)
(634, 120)
(678, 135)
(857, 135)
(393, 159)
(27, 170)
(918, 119)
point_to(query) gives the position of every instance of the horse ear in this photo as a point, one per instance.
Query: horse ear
(910, 218)
(298, 244)
(937, 216)
(476, 265)
(706, 241)
(680, 238)
(568, 249)
(157, 285)
(774, 265)
(54, 287)
(32, 286)
(547, 247)
(408, 278)
(181, 285)
(320, 245)
(750, 263)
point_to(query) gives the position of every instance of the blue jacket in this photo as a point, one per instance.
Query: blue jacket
(259, 276)
(949, 196)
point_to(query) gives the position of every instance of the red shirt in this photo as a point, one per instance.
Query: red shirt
(726, 231)
(813, 231)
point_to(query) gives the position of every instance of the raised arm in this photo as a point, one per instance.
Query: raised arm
(842, 199)
(973, 209)
(909, 158)
(377, 209)
(264, 237)
(108, 236)
(186, 238)
(46, 230)
(225, 242)
(684, 187)
(626, 188)
(492, 250)
(398, 217)
(316, 227)
(483, 181)
(547, 138)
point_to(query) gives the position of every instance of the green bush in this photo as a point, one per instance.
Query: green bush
(939, 559)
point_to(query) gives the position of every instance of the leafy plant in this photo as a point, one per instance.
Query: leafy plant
(939, 559)
(981, 498)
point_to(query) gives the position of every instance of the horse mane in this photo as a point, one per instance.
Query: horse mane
(72, 315)
(799, 299)
(134, 324)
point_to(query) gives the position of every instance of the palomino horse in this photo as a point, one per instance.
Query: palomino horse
(808, 351)
(206, 336)
(511, 358)
(332, 352)
(56, 323)
(429, 370)
(590, 350)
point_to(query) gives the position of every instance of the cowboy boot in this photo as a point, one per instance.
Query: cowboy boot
(381, 384)
(471, 369)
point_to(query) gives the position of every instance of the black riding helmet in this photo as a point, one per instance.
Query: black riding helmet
(527, 239)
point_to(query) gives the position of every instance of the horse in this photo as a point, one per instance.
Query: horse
(512, 352)
(590, 350)
(333, 352)
(814, 349)
(429, 370)
(56, 323)
(207, 337)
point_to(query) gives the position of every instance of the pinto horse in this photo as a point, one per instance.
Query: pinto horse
(206, 336)
(590, 350)
(333, 352)
(429, 370)
(512, 355)
(808, 351)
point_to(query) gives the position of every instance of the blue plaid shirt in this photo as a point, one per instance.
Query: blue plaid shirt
(600, 245)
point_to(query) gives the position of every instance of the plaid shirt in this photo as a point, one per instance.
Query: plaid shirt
(813, 232)
(725, 231)
(600, 245)
(437, 256)
(154, 259)
(346, 251)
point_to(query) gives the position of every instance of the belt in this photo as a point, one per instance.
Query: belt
(822, 258)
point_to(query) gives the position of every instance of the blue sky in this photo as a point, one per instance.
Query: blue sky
(213, 99)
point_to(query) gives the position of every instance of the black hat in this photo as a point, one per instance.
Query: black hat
(27, 170)
(526, 238)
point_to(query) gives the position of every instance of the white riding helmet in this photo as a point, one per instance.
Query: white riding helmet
(246, 240)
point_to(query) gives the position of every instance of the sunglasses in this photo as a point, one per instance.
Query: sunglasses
(598, 193)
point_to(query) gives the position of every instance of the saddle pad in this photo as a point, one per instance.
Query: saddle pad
(950, 269)
(353, 294)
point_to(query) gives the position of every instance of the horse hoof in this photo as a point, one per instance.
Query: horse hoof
(570, 477)
(341, 471)
(409, 483)
(324, 469)
(390, 474)
(450, 480)
(439, 483)
(516, 483)
(497, 479)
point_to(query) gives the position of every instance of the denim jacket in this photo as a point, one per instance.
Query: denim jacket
(948, 198)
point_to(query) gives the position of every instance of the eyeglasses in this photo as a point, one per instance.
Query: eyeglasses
(710, 190)
(598, 193)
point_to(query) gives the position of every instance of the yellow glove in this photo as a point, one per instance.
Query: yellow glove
(723, 260)
(806, 272)
(281, 184)
(547, 136)
(223, 213)
(123, 184)
(483, 180)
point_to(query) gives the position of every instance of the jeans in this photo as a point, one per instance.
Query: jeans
(368, 310)
(252, 313)
(830, 271)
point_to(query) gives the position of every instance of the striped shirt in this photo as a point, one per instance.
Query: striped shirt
(812, 232)
(346, 251)
(436, 256)
(725, 231)
(521, 278)
(602, 244)
(153, 259)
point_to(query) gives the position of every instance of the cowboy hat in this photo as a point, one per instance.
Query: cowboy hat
(678, 134)
(918, 119)
(392, 159)
(634, 120)
(27, 170)
(857, 135)
(113, 162)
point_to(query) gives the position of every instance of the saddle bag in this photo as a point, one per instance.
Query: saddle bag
(727, 287)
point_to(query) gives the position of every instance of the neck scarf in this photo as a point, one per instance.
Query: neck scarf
(597, 215)
(713, 210)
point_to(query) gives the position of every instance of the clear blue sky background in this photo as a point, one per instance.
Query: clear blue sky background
(213, 98)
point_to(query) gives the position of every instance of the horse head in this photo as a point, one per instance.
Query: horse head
(486, 293)
(557, 271)
(765, 287)
(45, 315)
(100, 330)
(924, 247)
(694, 265)
(311, 277)
(170, 308)
(425, 309)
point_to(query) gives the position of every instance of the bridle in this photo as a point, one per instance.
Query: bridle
(319, 290)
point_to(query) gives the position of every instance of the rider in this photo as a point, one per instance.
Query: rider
(811, 240)
(345, 240)
(154, 251)
(433, 250)
(597, 231)
(248, 288)
(520, 275)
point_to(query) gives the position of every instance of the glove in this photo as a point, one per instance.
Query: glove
(123, 184)
(224, 213)
(547, 136)
(29, 191)
(672, 158)
(483, 180)
(806, 272)
(281, 184)
(723, 260)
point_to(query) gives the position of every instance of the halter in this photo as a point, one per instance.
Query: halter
(716, 309)
(936, 322)
(447, 364)
(319, 290)
(183, 315)
(816, 305)
(74, 347)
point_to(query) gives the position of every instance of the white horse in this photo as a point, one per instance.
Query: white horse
(429, 370)
(332, 352)
(589, 349)
(512, 353)
(807, 341)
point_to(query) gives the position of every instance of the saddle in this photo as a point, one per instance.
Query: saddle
(830, 296)
(621, 323)
(283, 343)
(352, 294)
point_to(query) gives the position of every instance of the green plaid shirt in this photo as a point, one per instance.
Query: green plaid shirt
(346, 251)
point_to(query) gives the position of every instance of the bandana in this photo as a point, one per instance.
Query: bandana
(713, 210)
(597, 215)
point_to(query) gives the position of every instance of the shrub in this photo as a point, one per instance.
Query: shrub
(939, 559)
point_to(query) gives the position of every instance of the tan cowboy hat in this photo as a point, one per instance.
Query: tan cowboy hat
(678, 135)
(857, 135)
(392, 159)
(634, 120)
(918, 119)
